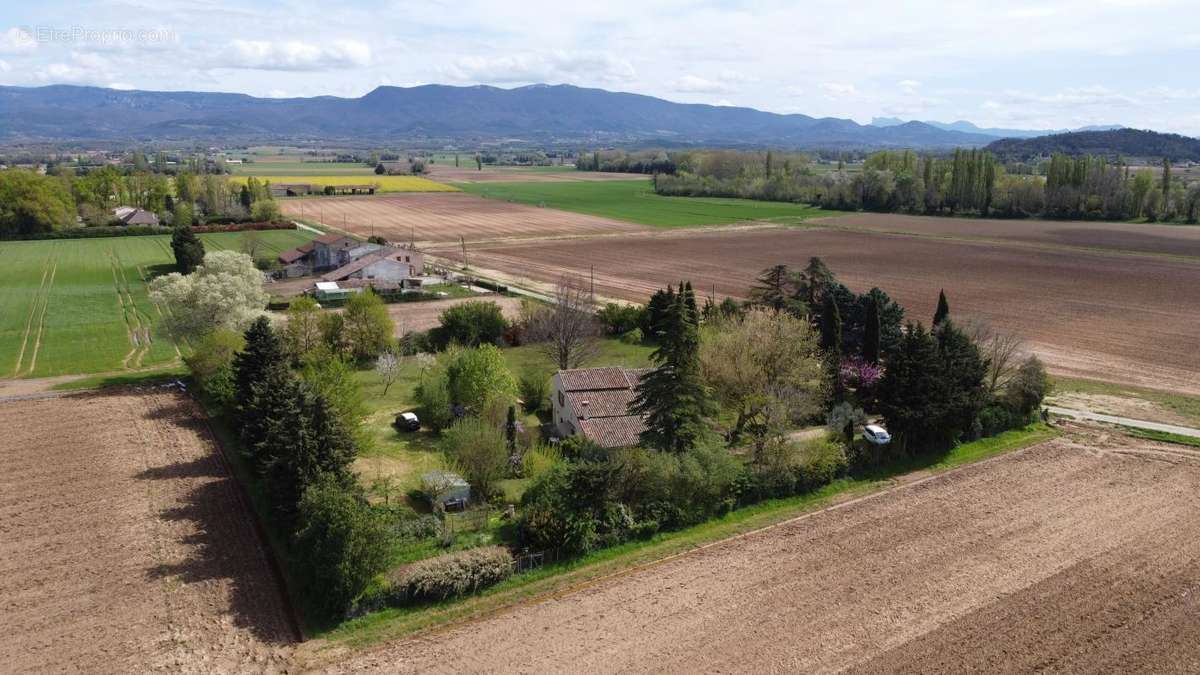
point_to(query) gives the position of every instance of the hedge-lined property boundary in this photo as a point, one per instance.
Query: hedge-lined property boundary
(142, 231)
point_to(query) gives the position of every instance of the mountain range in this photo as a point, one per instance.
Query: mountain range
(436, 115)
(1115, 144)
(997, 132)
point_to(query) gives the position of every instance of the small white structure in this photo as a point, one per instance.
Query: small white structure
(329, 290)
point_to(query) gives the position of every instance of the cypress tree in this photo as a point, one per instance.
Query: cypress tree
(188, 249)
(871, 331)
(510, 430)
(831, 328)
(943, 309)
(271, 418)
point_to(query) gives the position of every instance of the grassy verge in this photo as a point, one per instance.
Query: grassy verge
(120, 380)
(565, 576)
(1162, 436)
(1180, 404)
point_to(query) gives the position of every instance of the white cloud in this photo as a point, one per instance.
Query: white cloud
(694, 84)
(839, 89)
(296, 55)
(17, 40)
(550, 66)
(909, 86)
(4, 66)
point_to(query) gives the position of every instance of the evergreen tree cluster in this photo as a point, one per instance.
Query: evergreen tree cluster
(188, 249)
(300, 447)
(672, 397)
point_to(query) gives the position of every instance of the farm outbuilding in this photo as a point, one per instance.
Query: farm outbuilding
(444, 486)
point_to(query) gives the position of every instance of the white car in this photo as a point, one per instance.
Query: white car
(876, 435)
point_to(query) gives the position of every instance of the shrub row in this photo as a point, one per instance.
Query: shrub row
(140, 231)
(449, 575)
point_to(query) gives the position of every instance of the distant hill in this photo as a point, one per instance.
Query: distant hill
(1129, 143)
(998, 132)
(433, 115)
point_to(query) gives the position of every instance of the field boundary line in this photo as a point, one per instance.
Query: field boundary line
(37, 345)
(33, 307)
(888, 487)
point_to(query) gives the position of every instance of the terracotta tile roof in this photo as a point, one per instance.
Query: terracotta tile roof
(592, 379)
(602, 403)
(331, 239)
(289, 257)
(613, 432)
(356, 265)
(608, 393)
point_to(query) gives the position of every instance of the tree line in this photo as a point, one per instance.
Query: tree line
(31, 203)
(968, 182)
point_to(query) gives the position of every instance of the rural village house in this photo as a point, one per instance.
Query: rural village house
(595, 402)
(132, 215)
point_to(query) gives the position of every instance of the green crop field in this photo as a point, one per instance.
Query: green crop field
(634, 201)
(268, 169)
(80, 305)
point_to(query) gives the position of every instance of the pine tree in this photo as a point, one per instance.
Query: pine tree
(271, 418)
(943, 309)
(672, 398)
(816, 277)
(773, 288)
(188, 249)
(871, 331)
(263, 348)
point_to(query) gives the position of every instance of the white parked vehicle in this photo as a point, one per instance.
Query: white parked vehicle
(876, 435)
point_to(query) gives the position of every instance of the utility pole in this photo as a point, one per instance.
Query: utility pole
(593, 285)
(466, 265)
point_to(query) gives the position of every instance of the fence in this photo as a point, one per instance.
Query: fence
(471, 520)
(526, 561)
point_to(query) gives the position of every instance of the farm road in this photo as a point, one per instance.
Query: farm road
(1124, 421)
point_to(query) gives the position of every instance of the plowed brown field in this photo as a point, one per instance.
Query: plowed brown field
(1139, 238)
(124, 547)
(1081, 554)
(1121, 317)
(446, 216)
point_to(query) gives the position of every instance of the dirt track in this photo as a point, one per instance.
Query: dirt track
(123, 545)
(1066, 556)
(1117, 317)
(431, 217)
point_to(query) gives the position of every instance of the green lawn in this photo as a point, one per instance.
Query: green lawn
(72, 306)
(635, 201)
(397, 622)
(405, 456)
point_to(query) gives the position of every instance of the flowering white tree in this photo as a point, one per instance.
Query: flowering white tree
(225, 292)
(387, 366)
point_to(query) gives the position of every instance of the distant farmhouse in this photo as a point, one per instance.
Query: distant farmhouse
(132, 215)
(595, 402)
(350, 263)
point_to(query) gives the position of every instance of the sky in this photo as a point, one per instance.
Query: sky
(1036, 64)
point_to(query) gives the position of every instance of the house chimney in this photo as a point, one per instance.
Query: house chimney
(583, 410)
